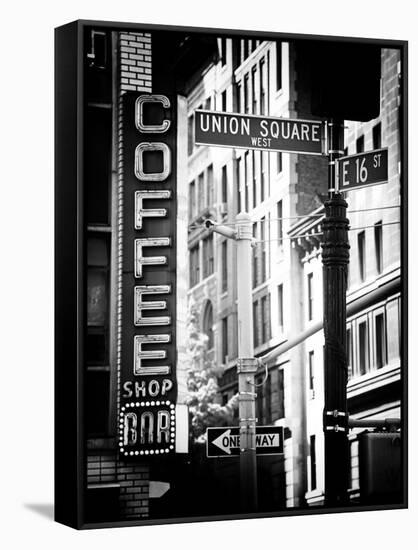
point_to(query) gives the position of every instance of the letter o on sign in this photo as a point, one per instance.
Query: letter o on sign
(139, 162)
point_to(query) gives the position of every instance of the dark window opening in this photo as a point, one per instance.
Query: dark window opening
(363, 348)
(310, 296)
(224, 254)
(280, 307)
(311, 370)
(377, 136)
(378, 242)
(380, 340)
(278, 65)
(313, 461)
(225, 340)
(361, 242)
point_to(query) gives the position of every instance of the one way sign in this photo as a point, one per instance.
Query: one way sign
(222, 442)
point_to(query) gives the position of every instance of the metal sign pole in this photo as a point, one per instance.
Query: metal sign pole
(247, 366)
(335, 258)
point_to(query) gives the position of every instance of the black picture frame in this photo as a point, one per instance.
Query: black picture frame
(71, 262)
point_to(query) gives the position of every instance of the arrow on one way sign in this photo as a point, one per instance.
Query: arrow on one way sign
(226, 441)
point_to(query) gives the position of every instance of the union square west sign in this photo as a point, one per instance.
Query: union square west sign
(259, 132)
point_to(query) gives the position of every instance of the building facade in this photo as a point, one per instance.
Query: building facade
(373, 296)
(259, 78)
(284, 194)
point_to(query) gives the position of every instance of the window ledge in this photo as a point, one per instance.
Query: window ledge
(374, 379)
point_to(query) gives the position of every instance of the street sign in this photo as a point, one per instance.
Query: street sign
(259, 132)
(221, 442)
(363, 169)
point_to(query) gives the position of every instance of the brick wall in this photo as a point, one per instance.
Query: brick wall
(132, 478)
(104, 468)
(135, 56)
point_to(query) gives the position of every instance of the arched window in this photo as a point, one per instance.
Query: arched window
(208, 323)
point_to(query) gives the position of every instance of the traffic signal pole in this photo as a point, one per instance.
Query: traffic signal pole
(335, 258)
(247, 364)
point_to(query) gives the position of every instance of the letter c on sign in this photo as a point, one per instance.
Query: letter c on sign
(151, 128)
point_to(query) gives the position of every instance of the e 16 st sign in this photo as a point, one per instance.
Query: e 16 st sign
(259, 132)
(363, 169)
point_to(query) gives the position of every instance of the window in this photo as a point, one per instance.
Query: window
(267, 401)
(262, 87)
(238, 179)
(225, 340)
(190, 135)
(380, 340)
(280, 387)
(222, 52)
(192, 200)
(246, 178)
(98, 51)
(210, 196)
(261, 160)
(377, 136)
(246, 94)
(208, 256)
(280, 224)
(311, 372)
(256, 323)
(254, 180)
(238, 96)
(245, 49)
(250, 46)
(360, 144)
(393, 330)
(259, 404)
(224, 254)
(279, 162)
(263, 170)
(349, 351)
(310, 296)
(312, 445)
(280, 307)
(378, 245)
(265, 318)
(201, 192)
(363, 347)
(97, 164)
(97, 300)
(263, 249)
(223, 101)
(278, 65)
(255, 251)
(361, 238)
(97, 344)
(208, 324)
(254, 90)
(194, 265)
(224, 184)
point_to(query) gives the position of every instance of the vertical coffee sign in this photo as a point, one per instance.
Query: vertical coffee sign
(147, 383)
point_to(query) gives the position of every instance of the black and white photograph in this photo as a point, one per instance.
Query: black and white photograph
(208, 282)
(241, 329)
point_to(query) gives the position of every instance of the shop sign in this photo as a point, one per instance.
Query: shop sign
(147, 234)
